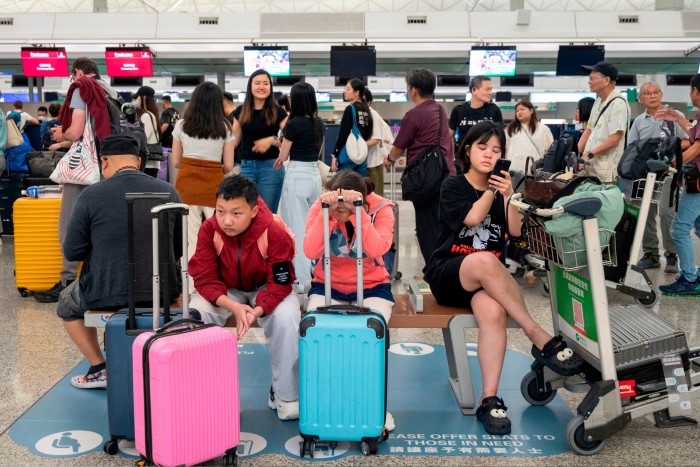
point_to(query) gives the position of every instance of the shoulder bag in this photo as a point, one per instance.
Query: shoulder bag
(14, 136)
(80, 165)
(155, 150)
(355, 145)
(422, 178)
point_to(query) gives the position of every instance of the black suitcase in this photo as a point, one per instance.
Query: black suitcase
(624, 235)
(10, 190)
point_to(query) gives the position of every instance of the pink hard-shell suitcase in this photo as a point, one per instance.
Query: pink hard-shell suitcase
(186, 399)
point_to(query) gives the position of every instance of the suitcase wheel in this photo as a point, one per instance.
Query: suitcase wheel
(369, 446)
(111, 447)
(231, 457)
(308, 445)
(398, 275)
(23, 292)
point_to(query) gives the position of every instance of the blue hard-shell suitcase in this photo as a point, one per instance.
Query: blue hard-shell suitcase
(120, 333)
(342, 368)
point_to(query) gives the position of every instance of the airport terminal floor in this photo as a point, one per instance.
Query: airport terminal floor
(36, 355)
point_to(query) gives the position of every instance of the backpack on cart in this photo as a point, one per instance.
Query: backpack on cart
(560, 155)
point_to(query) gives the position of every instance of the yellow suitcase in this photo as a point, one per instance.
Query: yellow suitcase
(38, 256)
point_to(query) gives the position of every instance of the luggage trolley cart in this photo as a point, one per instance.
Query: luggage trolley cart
(635, 281)
(628, 278)
(638, 364)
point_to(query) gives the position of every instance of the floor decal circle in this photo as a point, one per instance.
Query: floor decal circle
(323, 448)
(411, 349)
(250, 444)
(69, 443)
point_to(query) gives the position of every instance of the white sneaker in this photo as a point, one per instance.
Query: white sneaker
(389, 422)
(285, 410)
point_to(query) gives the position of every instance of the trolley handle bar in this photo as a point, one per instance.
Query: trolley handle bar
(585, 207)
(659, 166)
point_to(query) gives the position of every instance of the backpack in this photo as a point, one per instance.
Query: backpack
(123, 118)
(555, 159)
(633, 163)
(16, 116)
(262, 239)
(384, 146)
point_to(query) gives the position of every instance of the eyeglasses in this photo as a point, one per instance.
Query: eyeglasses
(594, 78)
(652, 93)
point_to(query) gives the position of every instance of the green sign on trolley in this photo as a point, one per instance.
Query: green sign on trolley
(575, 308)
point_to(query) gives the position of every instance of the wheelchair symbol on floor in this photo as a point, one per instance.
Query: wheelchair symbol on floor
(68, 443)
(411, 349)
(250, 444)
(322, 449)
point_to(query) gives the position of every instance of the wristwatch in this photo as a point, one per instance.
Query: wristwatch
(590, 155)
(492, 190)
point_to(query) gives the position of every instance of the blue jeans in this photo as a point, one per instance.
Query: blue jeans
(268, 179)
(687, 217)
(302, 187)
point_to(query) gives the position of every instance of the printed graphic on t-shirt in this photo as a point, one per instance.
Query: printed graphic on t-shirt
(483, 237)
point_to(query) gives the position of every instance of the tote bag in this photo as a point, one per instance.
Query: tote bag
(355, 145)
(80, 165)
(14, 136)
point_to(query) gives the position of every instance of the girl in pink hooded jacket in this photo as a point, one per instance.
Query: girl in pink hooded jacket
(377, 236)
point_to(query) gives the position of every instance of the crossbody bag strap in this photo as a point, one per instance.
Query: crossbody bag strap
(606, 108)
(439, 135)
(153, 122)
(354, 118)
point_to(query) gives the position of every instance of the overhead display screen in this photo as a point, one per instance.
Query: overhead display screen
(44, 61)
(353, 61)
(129, 61)
(274, 60)
(571, 57)
(492, 60)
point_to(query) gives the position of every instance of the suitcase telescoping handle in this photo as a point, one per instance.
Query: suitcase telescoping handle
(157, 213)
(393, 183)
(327, 250)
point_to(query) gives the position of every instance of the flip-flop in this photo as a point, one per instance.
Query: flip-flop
(558, 357)
(492, 413)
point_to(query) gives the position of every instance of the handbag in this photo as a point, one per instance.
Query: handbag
(355, 145)
(16, 156)
(80, 165)
(691, 174)
(422, 178)
(155, 150)
(539, 192)
(14, 136)
(42, 163)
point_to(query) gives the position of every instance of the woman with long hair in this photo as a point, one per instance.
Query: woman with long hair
(466, 269)
(303, 137)
(201, 140)
(256, 125)
(148, 110)
(526, 136)
(354, 93)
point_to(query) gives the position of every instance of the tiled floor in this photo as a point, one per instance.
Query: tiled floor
(35, 353)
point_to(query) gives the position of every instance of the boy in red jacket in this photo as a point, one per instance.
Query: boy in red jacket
(242, 268)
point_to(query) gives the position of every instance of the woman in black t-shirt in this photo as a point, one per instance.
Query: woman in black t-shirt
(303, 136)
(354, 92)
(466, 268)
(256, 125)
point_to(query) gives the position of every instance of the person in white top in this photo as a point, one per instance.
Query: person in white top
(145, 101)
(526, 136)
(203, 151)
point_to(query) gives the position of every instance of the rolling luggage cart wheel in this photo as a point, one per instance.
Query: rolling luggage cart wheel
(576, 437)
(648, 302)
(111, 447)
(531, 393)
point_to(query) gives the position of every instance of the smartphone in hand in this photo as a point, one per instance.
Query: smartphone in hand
(501, 164)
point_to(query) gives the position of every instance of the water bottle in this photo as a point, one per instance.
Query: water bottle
(44, 191)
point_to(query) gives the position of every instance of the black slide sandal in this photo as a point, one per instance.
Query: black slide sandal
(492, 413)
